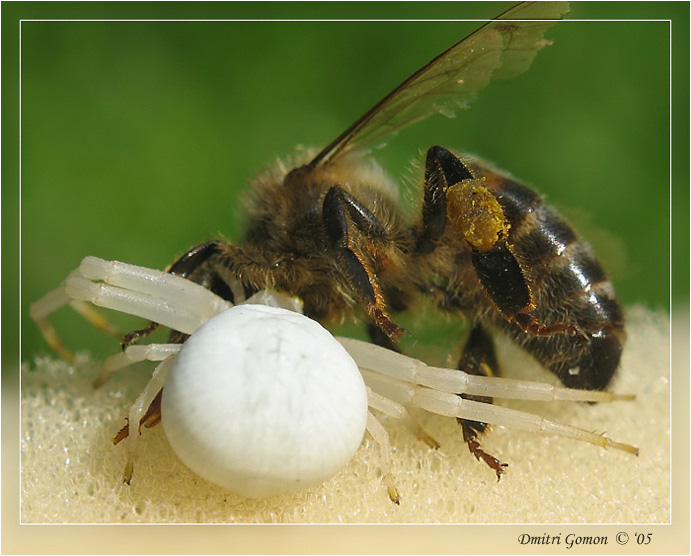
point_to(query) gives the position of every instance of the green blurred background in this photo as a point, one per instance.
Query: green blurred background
(137, 137)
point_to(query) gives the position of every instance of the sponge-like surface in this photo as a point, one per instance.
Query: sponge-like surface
(71, 472)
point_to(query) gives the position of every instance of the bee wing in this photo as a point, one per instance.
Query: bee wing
(502, 48)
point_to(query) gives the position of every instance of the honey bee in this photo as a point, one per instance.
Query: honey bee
(329, 229)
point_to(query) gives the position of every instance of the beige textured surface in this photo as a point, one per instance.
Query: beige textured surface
(70, 472)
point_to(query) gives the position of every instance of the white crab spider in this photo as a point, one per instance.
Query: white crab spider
(314, 396)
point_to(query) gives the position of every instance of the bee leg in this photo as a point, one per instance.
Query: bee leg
(503, 280)
(193, 259)
(136, 335)
(455, 198)
(442, 170)
(338, 210)
(478, 358)
(379, 337)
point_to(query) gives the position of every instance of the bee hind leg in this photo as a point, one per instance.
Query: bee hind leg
(478, 358)
(442, 170)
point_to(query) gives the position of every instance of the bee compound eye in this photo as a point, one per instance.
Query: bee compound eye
(262, 401)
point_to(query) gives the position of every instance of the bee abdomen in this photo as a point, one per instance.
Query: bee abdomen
(587, 362)
(567, 285)
(562, 268)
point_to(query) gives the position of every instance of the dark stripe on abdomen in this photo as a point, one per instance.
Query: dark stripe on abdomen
(541, 236)
(567, 285)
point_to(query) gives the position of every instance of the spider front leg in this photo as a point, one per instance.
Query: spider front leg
(185, 266)
(151, 294)
(40, 310)
(215, 267)
(339, 210)
(411, 382)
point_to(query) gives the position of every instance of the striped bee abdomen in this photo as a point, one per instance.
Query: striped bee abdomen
(567, 285)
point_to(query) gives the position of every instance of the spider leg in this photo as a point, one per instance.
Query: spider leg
(151, 418)
(378, 337)
(132, 355)
(95, 318)
(411, 382)
(387, 364)
(381, 437)
(397, 411)
(152, 294)
(152, 415)
(145, 411)
(184, 266)
(39, 312)
(51, 302)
